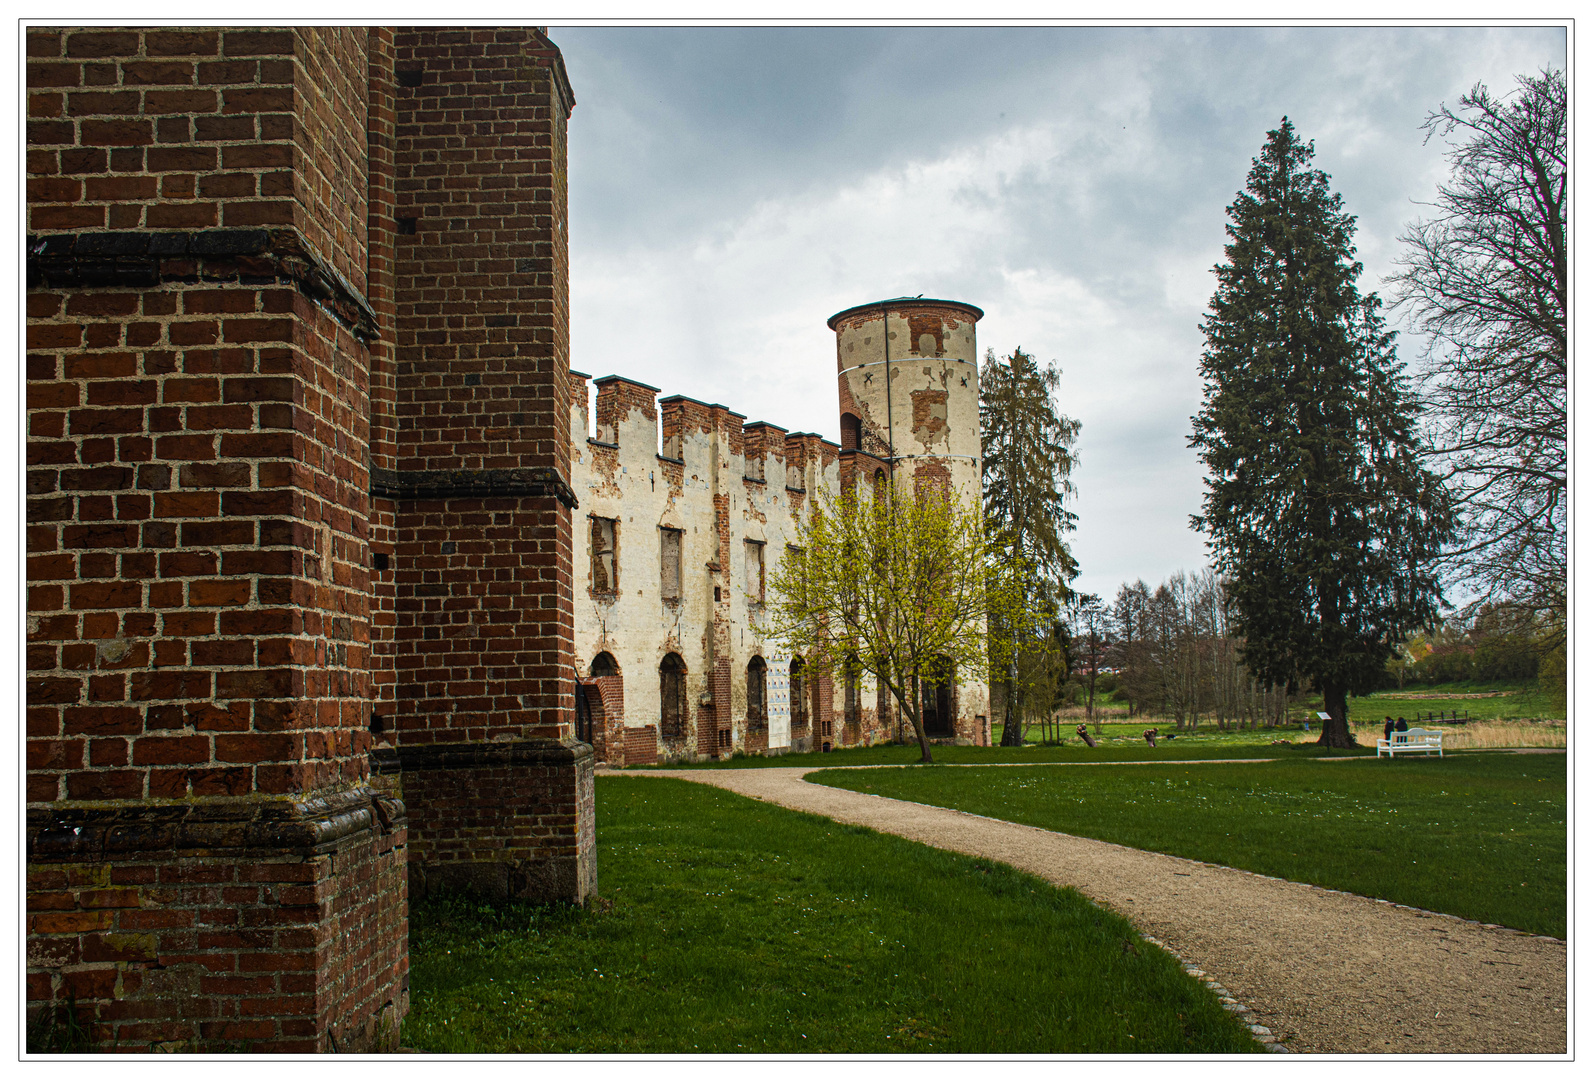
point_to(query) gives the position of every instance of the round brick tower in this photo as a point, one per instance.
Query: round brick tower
(908, 372)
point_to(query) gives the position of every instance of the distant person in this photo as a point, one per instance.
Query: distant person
(1084, 733)
(1388, 728)
(1150, 736)
(1400, 725)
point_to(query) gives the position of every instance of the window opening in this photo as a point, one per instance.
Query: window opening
(754, 572)
(669, 541)
(672, 697)
(799, 697)
(605, 568)
(757, 710)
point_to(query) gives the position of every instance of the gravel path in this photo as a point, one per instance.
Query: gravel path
(1325, 971)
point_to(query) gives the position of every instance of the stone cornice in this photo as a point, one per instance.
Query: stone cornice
(471, 483)
(131, 258)
(308, 824)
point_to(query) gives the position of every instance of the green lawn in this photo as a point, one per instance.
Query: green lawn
(1206, 736)
(1478, 835)
(1515, 701)
(1118, 743)
(741, 927)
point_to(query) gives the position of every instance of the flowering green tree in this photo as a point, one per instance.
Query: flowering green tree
(899, 586)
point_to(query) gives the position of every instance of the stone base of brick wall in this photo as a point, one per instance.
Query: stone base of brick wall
(507, 820)
(255, 925)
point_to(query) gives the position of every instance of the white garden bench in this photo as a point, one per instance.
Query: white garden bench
(1416, 738)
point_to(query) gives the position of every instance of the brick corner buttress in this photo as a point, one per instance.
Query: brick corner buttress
(254, 456)
(473, 485)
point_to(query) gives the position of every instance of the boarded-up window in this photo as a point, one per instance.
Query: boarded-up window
(605, 567)
(754, 572)
(926, 334)
(672, 444)
(672, 697)
(669, 563)
(793, 477)
(799, 695)
(757, 710)
(753, 469)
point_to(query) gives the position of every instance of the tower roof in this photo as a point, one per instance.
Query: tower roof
(903, 301)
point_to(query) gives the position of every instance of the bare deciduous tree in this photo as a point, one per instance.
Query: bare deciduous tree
(1177, 656)
(1485, 278)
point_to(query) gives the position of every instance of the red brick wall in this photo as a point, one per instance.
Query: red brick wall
(641, 745)
(609, 739)
(484, 616)
(482, 586)
(200, 128)
(500, 819)
(617, 397)
(250, 387)
(381, 141)
(197, 526)
(197, 561)
(245, 950)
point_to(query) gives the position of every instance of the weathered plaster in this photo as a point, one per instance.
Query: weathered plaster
(722, 482)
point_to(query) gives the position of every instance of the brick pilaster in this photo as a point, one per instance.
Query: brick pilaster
(483, 601)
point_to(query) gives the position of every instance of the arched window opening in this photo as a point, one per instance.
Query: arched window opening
(799, 695)
(853, 715)
(757, 707)
(851, 431)
(936, 688)
(672, 697)
(603, 664)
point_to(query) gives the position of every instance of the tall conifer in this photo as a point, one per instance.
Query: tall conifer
(1318, 511)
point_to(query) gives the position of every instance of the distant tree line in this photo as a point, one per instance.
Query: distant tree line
(1174, 655)
(1497, 645)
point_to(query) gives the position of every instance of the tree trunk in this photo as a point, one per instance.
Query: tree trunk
(1012, 726)
(925, 757)
(1335, 729)
(915, 713)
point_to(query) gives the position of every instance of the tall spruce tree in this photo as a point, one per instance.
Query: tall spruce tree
(1028, 460)
(1318, 510)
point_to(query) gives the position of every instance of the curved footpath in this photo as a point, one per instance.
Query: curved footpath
(1324, 971)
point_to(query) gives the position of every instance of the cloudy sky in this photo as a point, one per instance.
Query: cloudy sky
(731, 188)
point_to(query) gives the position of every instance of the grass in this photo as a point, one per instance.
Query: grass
(1487, 735)
(1206, 735)
(1507, 701)
(1121, 742)
(1496, 734)
(740, 927)
(1481, 836)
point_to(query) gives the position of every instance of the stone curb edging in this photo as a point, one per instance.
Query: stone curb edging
(1259, 1032)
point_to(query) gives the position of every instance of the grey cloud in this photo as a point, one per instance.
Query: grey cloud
(1128, 145)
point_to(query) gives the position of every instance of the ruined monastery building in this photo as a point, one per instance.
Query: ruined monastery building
(689, 508)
